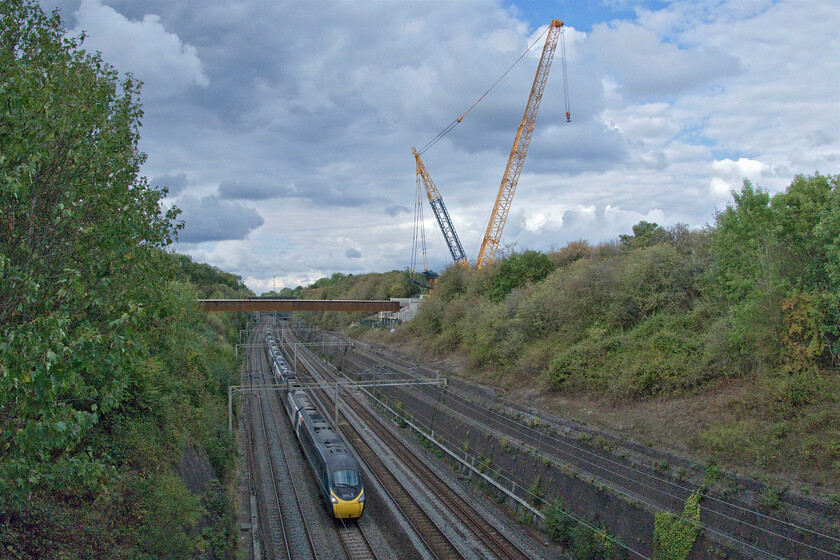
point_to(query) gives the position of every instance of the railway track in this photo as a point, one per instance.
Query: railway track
(302, 544)
(494, 541)
(287, 529)
(272, 527)
(352, 362)
(801, 529)
(480, 527)
(430, 534)
(355, 542)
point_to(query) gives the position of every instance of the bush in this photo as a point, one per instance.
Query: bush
(674, 537)
(517, 270)
(570, 253)
(559, 523)
(170, 514)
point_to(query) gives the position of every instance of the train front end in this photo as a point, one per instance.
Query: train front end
(347, 494)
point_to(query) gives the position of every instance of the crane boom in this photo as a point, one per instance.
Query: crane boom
(493, 235)
(439, 208)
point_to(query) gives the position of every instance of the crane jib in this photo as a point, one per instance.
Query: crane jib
(513, 169)
(519, 150)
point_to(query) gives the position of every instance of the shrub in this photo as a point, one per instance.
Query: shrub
(572, 252)
(170, 513)
(518, 269)
(559, 523)
(674, 537)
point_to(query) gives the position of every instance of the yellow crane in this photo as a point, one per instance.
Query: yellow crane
(496, 224)
(493, 235)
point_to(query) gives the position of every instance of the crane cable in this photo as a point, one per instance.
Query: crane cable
(419, 233)
(454, 123)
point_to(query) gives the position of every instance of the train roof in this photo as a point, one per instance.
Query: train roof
(331, 446)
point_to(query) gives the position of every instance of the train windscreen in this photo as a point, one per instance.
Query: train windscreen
(347, 477)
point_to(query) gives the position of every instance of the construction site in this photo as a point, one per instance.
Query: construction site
(513, 170)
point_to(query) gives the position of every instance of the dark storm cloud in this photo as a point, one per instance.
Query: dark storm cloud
(574, 149)
(210, 219)
(326, 192)
(174, 183)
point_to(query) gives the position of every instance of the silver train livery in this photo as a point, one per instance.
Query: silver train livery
(279, 368)
(338, 474)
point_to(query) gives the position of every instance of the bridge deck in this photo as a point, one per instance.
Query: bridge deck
(259, 304)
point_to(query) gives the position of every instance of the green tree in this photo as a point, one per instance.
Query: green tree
(79, 249)
(807, 220)
(743, 246)
(518, 269)
(808, 229)
(774, 269)
(645, 234)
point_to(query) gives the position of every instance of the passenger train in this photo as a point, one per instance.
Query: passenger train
(279, 368)
(337, 471)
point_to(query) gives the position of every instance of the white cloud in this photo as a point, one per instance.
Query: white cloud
(164, 63)
(314, 107)
(728, 175)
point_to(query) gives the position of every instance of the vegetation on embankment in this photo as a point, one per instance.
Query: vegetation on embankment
(113, 428)
(737, 323)
(750, 301)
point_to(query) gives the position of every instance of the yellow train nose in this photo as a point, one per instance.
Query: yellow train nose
(347, 509)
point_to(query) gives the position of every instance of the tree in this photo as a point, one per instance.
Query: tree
(808, 228)
(774, 268)
(645, 234)
(80, 240)
(807, 220)
(517, 269)
(743, 246)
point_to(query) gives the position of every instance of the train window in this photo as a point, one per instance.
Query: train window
(347, 477)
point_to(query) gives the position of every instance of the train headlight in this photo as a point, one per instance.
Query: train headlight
(333, 499)
(362, 497)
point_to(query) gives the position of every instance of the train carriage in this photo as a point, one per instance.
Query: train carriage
(276, 362)
(337, 471)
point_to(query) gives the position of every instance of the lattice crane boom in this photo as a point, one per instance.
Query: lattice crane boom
(441, 214)
(496, 224)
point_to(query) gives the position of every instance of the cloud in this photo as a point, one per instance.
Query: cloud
(210, 219)
(165, 64)
(307, 111)
(396, 210)
(253, 188)
(648, 67)
(353, 254)
(819, 137)
(728, 175)
(174, 183)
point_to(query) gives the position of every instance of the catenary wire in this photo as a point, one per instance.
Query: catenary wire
(733, 539)
(486, 411)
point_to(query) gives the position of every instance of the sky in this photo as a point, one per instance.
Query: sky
(283, 129)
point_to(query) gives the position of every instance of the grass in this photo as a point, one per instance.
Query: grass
(754, 425)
